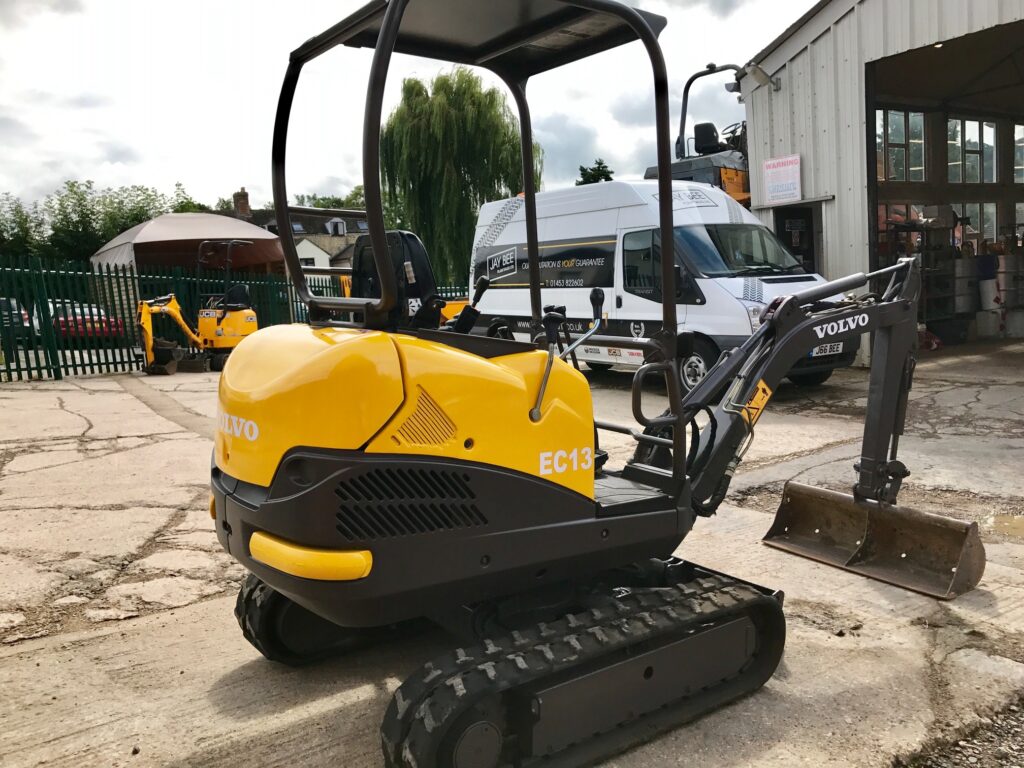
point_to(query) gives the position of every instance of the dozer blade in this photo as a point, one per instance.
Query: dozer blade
(931, 554)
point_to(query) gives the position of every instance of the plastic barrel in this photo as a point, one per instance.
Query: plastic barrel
(990, 297)
(989, 324)
(1015, 323)
(966, 296)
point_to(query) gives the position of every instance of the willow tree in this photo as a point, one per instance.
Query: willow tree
(445, 150)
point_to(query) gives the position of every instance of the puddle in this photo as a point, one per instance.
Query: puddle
(1009, 525)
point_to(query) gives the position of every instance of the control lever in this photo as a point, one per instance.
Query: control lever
(597, 304)
(482, 284)
(551, 321)
(469, 315)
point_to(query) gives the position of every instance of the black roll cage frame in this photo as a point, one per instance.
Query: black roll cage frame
(791, 326)
(661, 347)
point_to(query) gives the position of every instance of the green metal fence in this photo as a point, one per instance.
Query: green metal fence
(69, 319)
(65, 320)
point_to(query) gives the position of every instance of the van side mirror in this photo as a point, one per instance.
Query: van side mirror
(682, 282)
(687, 289)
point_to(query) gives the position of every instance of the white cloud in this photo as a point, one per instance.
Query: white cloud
(16, 12)
(720, 8)
(125, 92)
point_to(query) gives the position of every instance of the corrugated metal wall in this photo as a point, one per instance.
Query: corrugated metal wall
(819, 113)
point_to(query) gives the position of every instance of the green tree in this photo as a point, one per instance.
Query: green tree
(226, 205)
(182, 202)
(120, 209)
(314, 200)
(445, 150)
(355, 198)
(595, 173)
(22, 228)
(74, 221)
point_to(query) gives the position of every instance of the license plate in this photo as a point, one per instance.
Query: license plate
(827, 349)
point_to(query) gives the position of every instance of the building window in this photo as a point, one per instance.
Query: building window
(1018, 158)
(980, 225)
(899, 143)
(307, 262)
(971, 151)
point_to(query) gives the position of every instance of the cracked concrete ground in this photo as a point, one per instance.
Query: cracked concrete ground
(117, 643)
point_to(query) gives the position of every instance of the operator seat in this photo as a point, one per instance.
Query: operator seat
(706, 141)
(235, 299)
(418, 305)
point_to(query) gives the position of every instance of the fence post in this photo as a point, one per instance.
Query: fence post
(41, 298)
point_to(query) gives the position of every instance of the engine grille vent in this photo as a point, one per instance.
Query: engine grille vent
(427, 425)
(389, 502)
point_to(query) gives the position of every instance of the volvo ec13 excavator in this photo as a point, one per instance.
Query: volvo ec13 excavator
(373, 472)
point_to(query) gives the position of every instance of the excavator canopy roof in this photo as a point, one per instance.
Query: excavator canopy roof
(515, 38)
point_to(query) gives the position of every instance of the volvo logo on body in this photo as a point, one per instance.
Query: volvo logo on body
(839, 326)
(236, 426)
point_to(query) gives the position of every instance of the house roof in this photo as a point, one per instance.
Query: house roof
(311, 224)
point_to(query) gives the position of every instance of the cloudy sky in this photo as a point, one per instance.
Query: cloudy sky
(146, 92)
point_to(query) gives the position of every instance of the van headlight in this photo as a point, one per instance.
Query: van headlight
(754, 311)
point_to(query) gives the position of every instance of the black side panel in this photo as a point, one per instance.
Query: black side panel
(442, 533)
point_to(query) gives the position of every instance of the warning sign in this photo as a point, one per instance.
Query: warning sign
(782, 180)
(755, 405)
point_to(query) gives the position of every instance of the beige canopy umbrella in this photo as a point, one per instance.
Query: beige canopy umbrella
(173, 240)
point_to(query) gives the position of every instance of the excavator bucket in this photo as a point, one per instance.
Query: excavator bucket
(166, 355)
(931, 554)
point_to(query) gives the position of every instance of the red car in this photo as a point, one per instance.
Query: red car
(86, 321)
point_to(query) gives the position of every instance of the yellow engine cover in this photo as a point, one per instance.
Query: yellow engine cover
(219, 329)
(292, 386)
(295, 386)
(467, 407)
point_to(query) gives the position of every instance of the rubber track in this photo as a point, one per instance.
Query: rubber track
(255, 599)
(431, 699)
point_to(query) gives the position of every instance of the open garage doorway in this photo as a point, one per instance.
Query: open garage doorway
(945, 141)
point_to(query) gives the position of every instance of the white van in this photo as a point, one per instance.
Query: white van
(606, 235)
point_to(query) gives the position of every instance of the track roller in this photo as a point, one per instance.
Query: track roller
(284, 631)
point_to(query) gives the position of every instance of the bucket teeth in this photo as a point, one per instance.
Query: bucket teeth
(932, 554)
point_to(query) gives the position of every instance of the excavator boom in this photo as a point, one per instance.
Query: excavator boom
(863, 531)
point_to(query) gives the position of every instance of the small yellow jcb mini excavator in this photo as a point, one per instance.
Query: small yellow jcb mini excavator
(374, 472)
(226, 319)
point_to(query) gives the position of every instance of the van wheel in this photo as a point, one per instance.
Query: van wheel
(694, 367)
(810, 379)
(598, 366)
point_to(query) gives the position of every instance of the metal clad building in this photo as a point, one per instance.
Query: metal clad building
(823, 108)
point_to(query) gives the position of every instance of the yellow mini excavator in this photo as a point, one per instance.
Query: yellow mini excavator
(223, 322)
(374, 472)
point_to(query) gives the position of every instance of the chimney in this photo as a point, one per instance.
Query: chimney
(241, 201)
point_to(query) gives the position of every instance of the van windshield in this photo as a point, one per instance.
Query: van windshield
(734, 250)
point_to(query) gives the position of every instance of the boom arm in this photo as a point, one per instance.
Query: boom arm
(791, 328)
(168, 306)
